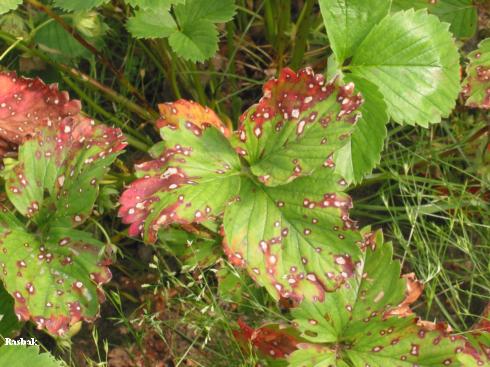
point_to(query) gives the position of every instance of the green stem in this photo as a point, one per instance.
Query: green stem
(302, 30)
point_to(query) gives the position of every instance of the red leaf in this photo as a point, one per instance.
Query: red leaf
(25, 103)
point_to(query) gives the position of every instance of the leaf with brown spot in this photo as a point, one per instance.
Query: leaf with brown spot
(25, 103)
(476, 86)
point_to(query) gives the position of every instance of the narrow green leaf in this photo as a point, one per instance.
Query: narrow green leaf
(13, 355)
(152, 23)
(75, 5)
(7, 5)
(349, 21)
(413, 60)
(461, 14)
(477, 82)
(363, 150)
(196, 41)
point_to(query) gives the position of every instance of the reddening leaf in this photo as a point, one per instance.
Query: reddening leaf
(75, 5)
(55, 180)
(349, 21)
(413, 60)
(193, 179)
(300, 121)
(362, 152)
(461, 14)
(18, 355)
(25, 103)
(55, 279)
(476, 85)
(7, 5)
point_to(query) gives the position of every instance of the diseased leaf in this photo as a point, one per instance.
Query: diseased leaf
(476, 86)
(18, 355)
(477, 350)
(461, 14)
(55, 280)
(196, 41)
(362, 152)
(55, 181)
(7, 5)
(75, 5)
(349, 21)
(412, 59)
(25, 103)
(298, 124)
(152, 23)
(297, 239)
(196, 175)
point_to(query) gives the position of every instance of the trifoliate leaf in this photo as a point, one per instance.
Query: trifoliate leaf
(476, 86)
(154, 4)
(7, 5)
(349, 21)
(461, 14)
(412, 59)
(14, 355)
(152, 23)
(55, 280)
(296, 126)
(55, 181)
(363, 149)
(196, 41)
(196, 175)
(214, 11)
(8, 319)
(75, 5)
(25, 103)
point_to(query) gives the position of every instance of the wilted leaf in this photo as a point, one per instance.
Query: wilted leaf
(476, 86)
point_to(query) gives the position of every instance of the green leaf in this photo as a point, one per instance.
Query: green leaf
(196, 41)
(284, 235)
(75, 5)
(193, 179)
(14, 355)
(349, 21)
(55, 280)
(363, 149)
(461, 14)
(153, 4)
(357, 318)
(214, 11)
(476, 88)
(7, 5)
(413, 60)
(152, 23)
(8, 319)
(298, 124)
(60, 185)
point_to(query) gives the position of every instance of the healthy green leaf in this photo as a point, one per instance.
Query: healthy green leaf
(461, 14)
(8, 319)
(154, 4)
(7, 5)
(477, 82)
(75, 5)
(214, 11)
(298, 124)
(58, 43)
(196, 41)
(60, 185)
(349, 21)
(13, 355)
(363, 149)
(412, 59)
(196, 175)
(152, 23)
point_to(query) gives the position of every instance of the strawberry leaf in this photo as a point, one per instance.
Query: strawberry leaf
(76, 5)
(153, 4)
(18, 355)
(296, 126)
(151, 23)
(8, 319)
(413, 60)
(349, 21)
(60, 185)
(195, 176)
(7, 5)
(54, 279)
(25, 103)
(476, 88)
(284, 235)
